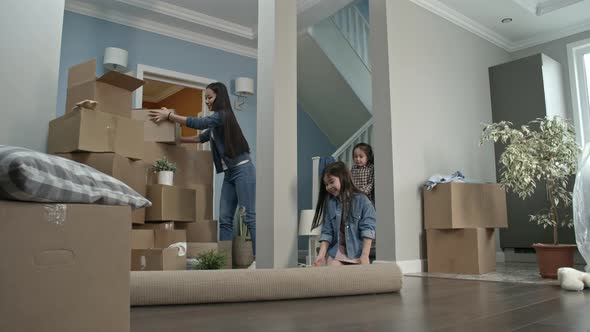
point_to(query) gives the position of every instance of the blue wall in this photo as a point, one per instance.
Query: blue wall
(363, 7)
(85, 38)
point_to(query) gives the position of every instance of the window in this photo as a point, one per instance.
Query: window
(579, 68)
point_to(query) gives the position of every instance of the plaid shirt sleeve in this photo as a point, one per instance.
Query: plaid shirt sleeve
(362, 177)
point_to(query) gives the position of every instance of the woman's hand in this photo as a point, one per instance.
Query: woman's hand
(160, 115)
(365, 260)
(320, 261)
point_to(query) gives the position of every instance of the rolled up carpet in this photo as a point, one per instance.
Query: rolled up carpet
(194, 287)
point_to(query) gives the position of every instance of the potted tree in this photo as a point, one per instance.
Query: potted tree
(543, 152)
(165, 170)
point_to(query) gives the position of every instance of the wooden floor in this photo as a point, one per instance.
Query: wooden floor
(424, 304)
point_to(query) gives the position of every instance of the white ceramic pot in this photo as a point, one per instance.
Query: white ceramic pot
(166, 177)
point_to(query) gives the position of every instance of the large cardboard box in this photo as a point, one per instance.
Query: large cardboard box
(157, 260)
(93, 131)
(112, 90)
(203, 201)
(57, 274)
(193, 166)
(200, 231)
(133, 173)
(170, 203)
(193, 250)
(142, 239)
(164, 238)
(466, 251)
(163, 132)
(465, 205)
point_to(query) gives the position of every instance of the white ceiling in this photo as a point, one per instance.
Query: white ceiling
(527, 29)
(231, 25)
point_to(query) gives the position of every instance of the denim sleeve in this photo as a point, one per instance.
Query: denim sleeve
(210, 121)
(205, 136)
(327, 229)
(367, 222)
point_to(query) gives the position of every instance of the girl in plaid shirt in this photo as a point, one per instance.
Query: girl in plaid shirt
(363, 174)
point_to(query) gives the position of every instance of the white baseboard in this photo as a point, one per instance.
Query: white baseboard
(409, 266)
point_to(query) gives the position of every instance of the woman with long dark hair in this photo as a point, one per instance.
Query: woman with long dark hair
(231, 155)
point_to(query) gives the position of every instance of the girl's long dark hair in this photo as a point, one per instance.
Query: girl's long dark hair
(235, 142)
(368, 151)
(347, 190)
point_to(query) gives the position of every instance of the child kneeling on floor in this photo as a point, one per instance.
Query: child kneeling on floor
(347, 217)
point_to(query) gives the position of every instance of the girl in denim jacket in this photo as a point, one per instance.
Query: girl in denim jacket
(347, 217)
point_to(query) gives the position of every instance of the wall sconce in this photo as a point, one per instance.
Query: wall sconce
(115, 59)
(244, 88)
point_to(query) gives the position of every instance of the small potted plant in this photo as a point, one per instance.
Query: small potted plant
(543, 152)
(211, 260)
(165, 170)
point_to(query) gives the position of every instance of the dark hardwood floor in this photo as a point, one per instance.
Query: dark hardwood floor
(424, 304)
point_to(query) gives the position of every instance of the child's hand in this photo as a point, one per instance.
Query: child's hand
(320, 261)
(365, 260)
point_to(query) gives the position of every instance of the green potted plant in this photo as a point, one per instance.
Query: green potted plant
(242, 243)
(165, 170)
(543, 152)
(211, 260)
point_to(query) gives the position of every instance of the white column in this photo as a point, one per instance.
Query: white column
(276, 135)
(30, 31)
(383, 135)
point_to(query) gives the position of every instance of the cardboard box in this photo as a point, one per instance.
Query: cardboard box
(133, 173)
(112, 90)
(142, 239)
(164, 238)
(93, 131)
(465, 205)
(161, 226)
(466, 251)
(57, 274)
(202, 231)
(163, 132)
(193, 166)
(203, 201)
(157, 260)
(170, 203)
(193, 250)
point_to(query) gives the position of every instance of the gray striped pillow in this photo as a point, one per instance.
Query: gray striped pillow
(27, 175)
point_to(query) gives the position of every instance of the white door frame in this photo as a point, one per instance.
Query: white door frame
(173, 77)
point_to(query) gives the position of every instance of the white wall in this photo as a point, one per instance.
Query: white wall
(440, 95)
(30, 31)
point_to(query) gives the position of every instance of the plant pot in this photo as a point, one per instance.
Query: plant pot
(242, 252)
(166, 177)
(551, 257)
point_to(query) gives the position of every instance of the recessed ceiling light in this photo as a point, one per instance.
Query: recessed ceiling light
(506, 20)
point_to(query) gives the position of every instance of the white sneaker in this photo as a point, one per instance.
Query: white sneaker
(252, 266)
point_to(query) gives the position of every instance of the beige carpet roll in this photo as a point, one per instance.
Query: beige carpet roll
(193, 287)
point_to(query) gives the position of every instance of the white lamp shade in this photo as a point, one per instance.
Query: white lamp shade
(305, 222)
(244, 86)
(115, 59)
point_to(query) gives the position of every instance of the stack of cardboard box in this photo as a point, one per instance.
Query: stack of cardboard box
(460, 221)
(188, 201)
(105, 138)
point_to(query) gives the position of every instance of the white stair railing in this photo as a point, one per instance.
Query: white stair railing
(363, 135)
(355, 29)
(344, 153)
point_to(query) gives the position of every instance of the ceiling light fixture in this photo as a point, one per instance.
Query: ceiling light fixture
(506, 20)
